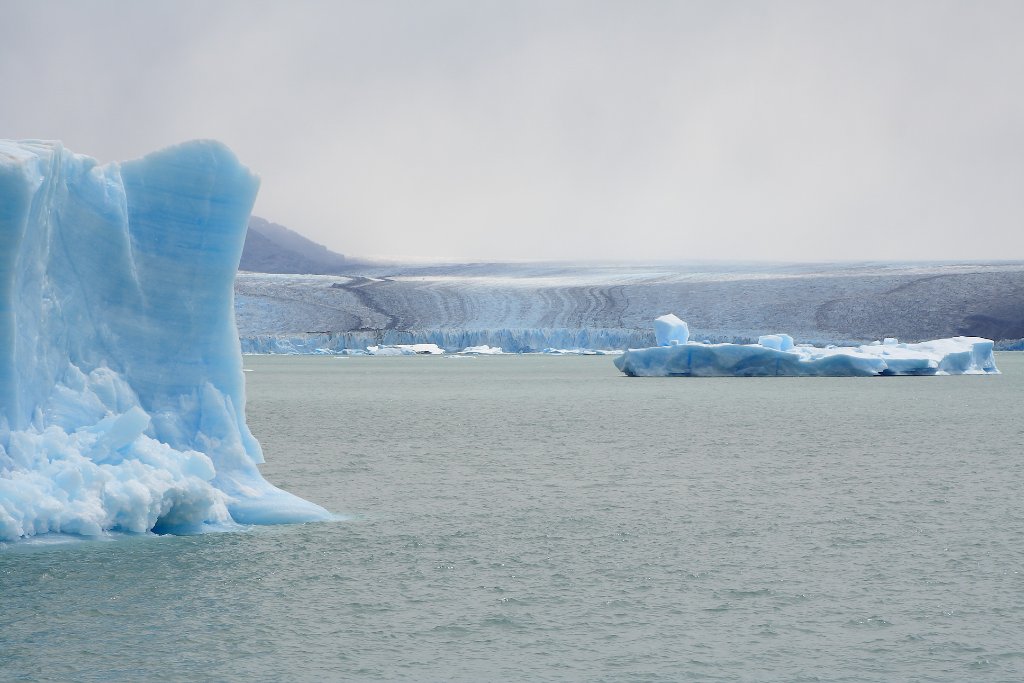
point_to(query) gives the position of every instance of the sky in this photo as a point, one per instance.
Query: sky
(561, 130)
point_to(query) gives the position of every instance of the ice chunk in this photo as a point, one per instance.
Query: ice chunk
(483, 350)
(580, 352)
(669, 328)
(779, 342)
(776, 355)
(519, 340)
(404, 350)
(387, 351)
(122, 400)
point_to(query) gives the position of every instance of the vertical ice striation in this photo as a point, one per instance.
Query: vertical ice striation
(122, 403)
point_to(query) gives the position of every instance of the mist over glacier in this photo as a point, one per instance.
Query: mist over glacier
(122, 402)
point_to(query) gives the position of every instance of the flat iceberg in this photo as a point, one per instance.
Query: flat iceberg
(776, 355)
(482, 350)
(404, 350)
(122, 401)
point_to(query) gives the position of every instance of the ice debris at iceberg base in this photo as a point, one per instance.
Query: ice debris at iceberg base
(122, 403)
(776, 355)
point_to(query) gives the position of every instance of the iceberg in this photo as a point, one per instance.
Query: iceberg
(483, 350)
(405, 350)
(122, 401)
(775, 355)
(779, 342)
(669, 329)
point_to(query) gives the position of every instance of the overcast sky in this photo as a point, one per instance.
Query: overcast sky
(561, 130)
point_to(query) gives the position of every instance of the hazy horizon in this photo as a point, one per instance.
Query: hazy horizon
(570, 131)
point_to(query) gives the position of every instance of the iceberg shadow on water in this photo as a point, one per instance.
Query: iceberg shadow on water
(122, 402)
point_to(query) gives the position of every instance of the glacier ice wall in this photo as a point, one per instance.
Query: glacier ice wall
(509, 340)
(122, 403)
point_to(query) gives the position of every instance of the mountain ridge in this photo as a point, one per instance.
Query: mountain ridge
(273, 248)
(826, 302)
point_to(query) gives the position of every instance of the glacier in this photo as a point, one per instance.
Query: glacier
(122, 399)
(776, 355)
(509, 340)
(840, 303)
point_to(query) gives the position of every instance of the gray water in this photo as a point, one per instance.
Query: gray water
(537, 518)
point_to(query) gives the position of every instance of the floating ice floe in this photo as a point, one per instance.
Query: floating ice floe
(581, 352)
(405, 350)
(777, 355)
(483, 350)
(519, 340)
(122, 404)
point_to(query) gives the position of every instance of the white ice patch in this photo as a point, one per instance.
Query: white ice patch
(669, 329)
(405, 350)
(483, 350)
(580, 352)
(779, 342)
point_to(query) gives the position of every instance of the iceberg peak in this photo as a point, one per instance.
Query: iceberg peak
(669, 329)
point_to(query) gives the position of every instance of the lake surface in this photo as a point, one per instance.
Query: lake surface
(546, 518)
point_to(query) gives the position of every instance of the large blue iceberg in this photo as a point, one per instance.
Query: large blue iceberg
(122, 402)
(775, 355)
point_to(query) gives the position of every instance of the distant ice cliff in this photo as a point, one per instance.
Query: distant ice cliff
(525, 340)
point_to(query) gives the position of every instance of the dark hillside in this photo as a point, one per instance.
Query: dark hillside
(273, 248)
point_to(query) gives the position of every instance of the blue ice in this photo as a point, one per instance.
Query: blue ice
(669, 329)
(777, 355)
(122, 402)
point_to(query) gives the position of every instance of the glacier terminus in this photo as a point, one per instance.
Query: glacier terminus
(122, 400)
